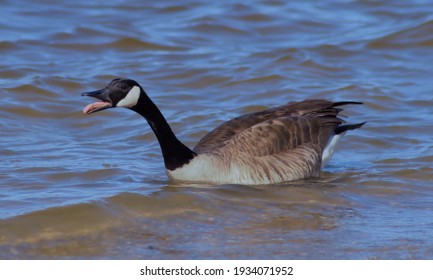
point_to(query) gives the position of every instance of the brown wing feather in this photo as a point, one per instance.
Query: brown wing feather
(302, 162)
(308, 108)
(281, 135)
(282, 149)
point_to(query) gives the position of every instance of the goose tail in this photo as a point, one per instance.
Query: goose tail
(343, 128)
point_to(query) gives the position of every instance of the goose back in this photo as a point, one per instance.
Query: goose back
(303, 113)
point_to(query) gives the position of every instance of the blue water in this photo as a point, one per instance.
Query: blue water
(73, 186)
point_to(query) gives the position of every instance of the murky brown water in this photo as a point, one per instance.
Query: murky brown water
(73, 186)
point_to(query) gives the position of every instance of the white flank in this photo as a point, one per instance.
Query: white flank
(209, 169)
(205, 168)
(200, 169)
(330, 148)
(131, 99)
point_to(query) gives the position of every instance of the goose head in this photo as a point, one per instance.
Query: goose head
(118, 93)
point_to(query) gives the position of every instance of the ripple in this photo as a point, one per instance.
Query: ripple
(56, 222)
(133, 44)
(257, 80)
(255, 17)
(25, 89)
(418, 36)
(7, 46)
(216, 28)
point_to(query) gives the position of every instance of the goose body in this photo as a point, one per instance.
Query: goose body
(290, 142)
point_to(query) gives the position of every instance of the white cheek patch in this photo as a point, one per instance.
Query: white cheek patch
(131, 99)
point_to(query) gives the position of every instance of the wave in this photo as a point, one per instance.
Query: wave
(419, 36)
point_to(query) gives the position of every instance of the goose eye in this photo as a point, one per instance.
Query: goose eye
(123, 86)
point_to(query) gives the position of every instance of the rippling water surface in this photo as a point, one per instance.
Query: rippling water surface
(73, 186)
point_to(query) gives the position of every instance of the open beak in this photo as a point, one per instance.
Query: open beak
(105, 102)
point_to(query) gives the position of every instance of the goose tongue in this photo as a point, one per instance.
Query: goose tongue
(103, 104)
(96, 106)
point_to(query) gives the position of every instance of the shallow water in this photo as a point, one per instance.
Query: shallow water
(80, 187)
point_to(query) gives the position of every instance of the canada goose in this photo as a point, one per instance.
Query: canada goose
(286, 143)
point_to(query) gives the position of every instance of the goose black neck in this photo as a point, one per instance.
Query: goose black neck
(175, 153)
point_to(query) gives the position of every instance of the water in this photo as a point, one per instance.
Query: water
(80, 187)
